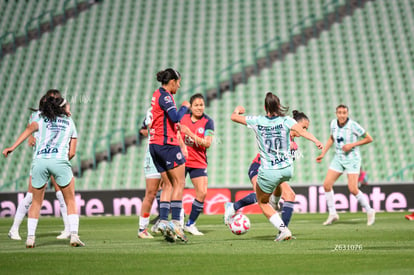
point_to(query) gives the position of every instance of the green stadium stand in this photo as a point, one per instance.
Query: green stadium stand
(105, 61)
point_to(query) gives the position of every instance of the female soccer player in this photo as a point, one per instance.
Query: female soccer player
(197, 131)
(166, 152)
(273, 140)
(282, 190)
(25, 203)
(344, 134)
(54, 148)
(152, 182)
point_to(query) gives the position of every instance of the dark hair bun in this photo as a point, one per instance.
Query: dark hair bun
(165, 76)
(160, 76)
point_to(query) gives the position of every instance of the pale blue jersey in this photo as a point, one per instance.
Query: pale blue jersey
(53, 137)
(349, 133)
(34, 117)
(273, 140)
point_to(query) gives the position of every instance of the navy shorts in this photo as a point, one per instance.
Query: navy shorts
(166, 157)
(196, 172)
(253, 169)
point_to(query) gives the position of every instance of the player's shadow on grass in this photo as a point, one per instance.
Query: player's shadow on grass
(48, 234)
(345, 222)
(265, 238)
(49, 239)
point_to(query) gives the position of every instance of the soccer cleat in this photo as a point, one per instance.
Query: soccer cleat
(144, 234)
(228, 212)
(284, 235)
(275, 205)
(193, 230)
(292, 237)
(168, 234)
(30, 242)
(14, 235)
(371, 217)
(155, 229)
(410, 217)
(331, 219)
(162, 226)
(63, 235)
(75, 241)
(177, 230)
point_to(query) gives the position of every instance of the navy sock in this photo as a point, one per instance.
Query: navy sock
(287, 211)
(176, 210)
(158, 197)
(196, 210)
(164, 210)
(247, 200)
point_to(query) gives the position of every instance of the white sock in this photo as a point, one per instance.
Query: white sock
(363, 201)
(330, 202)
(63, 210)
(73, 223)
(277, 222)
(21, 211)
(143, 222)
(182, 217)
(31, 226)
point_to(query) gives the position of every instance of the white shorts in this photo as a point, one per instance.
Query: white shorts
(350, 166)
(150, 170)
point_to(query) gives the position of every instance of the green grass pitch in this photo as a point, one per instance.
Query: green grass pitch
(112, 247)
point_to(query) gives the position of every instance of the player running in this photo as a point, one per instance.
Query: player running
(54, 148)
(166, 152)
(283, 190)
(344, 134)
(273, 140)
(197, 132)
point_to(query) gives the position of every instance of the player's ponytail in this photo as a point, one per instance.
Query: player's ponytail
(49, 93)
(299, 116)
(273, 106)
(53, 107)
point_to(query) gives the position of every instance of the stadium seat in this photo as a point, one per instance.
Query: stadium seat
(105, 61)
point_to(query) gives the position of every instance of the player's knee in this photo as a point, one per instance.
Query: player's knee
(151, 194)
(327, 186)
(167, 187)
(290, 196)
(262, 201)
(202, 195)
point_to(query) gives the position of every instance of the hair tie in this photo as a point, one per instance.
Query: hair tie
(63, 103)
(176, 74)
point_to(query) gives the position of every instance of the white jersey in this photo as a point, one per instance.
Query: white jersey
(349, 133)
(273, 140)
(34, 117)
(53, 137)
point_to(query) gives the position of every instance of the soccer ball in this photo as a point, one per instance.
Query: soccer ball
(239, 224)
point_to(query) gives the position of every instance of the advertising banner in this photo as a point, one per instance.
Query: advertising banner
(309, 199)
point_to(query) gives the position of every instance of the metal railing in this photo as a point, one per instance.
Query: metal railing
(400, 173)
(39, 23)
